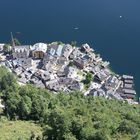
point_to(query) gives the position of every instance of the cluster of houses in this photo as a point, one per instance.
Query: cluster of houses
(63, 67)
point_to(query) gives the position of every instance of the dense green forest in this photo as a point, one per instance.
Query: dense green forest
(69, 116)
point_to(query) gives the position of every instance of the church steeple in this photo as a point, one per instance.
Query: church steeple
(12, 39)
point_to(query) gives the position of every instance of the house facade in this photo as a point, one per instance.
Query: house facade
(38, 50)
(21, 51)
(1, 47)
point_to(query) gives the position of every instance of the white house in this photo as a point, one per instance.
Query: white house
(1, 47)
(38, 50)
(1, 106)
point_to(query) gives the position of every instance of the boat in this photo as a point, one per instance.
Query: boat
(76, 28)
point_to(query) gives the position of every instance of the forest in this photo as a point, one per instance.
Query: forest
(70, 116)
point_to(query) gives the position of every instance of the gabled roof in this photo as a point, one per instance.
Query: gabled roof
(59, 50)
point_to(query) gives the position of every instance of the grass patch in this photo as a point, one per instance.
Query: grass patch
(19, 130)
(1, 110)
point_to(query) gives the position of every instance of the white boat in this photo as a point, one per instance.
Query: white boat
(76, 28)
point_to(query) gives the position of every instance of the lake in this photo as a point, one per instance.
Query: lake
(111, 27)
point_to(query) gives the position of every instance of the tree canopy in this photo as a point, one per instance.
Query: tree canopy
(7, 48)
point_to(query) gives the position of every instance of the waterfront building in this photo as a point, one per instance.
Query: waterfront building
(67, 50)
(86, 48)
(38, 50)
(21, 51)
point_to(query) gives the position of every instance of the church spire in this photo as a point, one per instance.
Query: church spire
(12, 39)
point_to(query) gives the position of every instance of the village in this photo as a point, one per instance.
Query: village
(64, 67)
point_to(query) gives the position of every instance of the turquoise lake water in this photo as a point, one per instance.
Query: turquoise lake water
(111, 27)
